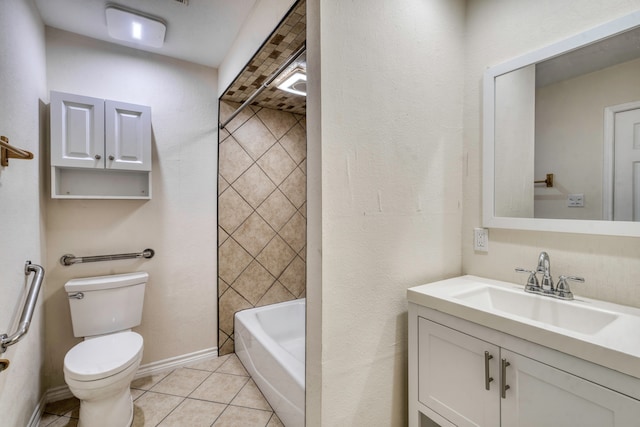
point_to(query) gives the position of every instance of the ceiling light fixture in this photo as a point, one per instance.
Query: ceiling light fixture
(296, 83)
(135, 28)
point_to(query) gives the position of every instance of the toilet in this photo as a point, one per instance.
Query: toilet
(99, 370)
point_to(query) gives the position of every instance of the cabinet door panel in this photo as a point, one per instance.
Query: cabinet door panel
(77, 131)
(540, 395)
(452, 376)
(127, 136)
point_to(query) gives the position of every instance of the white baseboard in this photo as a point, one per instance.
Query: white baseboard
(37, 412)
(62, 392)
(176, 362)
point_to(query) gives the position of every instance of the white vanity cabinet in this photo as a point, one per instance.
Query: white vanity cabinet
(99, 148)
(463, 374)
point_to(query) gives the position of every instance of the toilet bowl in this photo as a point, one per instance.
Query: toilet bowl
(99, 372)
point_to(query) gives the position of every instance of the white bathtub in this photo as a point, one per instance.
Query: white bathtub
(270, 342)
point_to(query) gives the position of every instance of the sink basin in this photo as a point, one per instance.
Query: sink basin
(562, 314)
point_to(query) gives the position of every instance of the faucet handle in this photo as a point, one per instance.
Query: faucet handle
(532, 281)
(563, 290)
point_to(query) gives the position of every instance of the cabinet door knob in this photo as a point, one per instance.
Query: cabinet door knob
(98, 156)
(111, 158)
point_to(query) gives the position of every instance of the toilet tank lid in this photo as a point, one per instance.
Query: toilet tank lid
(106, 282)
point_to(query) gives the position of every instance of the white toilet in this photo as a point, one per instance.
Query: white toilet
(99, 370)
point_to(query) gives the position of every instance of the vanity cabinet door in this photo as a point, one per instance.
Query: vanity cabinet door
(541, 395)
(452, 378)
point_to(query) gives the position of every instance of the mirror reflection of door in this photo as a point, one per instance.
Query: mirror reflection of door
(626, 191)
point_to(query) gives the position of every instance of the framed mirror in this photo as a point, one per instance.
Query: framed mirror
(561, 142)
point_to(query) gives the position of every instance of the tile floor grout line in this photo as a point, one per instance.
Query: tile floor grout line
(231, 359)
(170, 412)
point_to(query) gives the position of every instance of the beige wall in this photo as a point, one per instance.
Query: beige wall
(22, 120)
(571, 111)
(179, 223)
(498, 30)
(261, 212)
(390, 126)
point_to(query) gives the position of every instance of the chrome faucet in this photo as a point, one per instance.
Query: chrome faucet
(545, 286)
(544, 267)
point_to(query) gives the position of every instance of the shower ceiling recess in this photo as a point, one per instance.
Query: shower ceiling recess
(283, 43)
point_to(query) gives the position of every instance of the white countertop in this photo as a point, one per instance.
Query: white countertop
(615, 346)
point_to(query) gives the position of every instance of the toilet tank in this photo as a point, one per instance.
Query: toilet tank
(105, 304)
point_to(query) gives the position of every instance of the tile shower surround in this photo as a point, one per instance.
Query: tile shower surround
(261, 212)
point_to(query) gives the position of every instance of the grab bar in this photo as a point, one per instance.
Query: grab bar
(70, 259)
(28, 309)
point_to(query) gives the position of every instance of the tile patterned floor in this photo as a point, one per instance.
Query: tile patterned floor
(214, 393)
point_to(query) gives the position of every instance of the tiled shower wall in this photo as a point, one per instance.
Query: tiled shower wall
(261, 212)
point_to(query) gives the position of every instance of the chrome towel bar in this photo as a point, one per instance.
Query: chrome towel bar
(28, 309)
(70, 259)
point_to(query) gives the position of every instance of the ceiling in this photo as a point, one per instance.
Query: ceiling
(602, 54)
(201, 31)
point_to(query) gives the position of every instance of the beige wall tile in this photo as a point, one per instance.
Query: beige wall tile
(254, 137)
(254, 234)
(254, 186)
(295, 187)
(232, 210)
(277, 164)
(234, 160)
(294, 232)
(230, 302)
(233, 259)
(254, 282)
(276, 210)
(222, 184)
(294, 277)
(278, 122)
(276, 293)
(295, 142)
(276, 256)
(227, 108)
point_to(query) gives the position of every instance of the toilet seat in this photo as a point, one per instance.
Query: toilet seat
(103, 356)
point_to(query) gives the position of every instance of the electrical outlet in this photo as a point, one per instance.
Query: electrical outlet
(481, 239)
(575, 200)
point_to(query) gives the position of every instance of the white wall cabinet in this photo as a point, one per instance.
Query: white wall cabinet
(459, 379)
(99, 148)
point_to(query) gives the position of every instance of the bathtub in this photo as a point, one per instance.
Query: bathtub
(270, 342)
